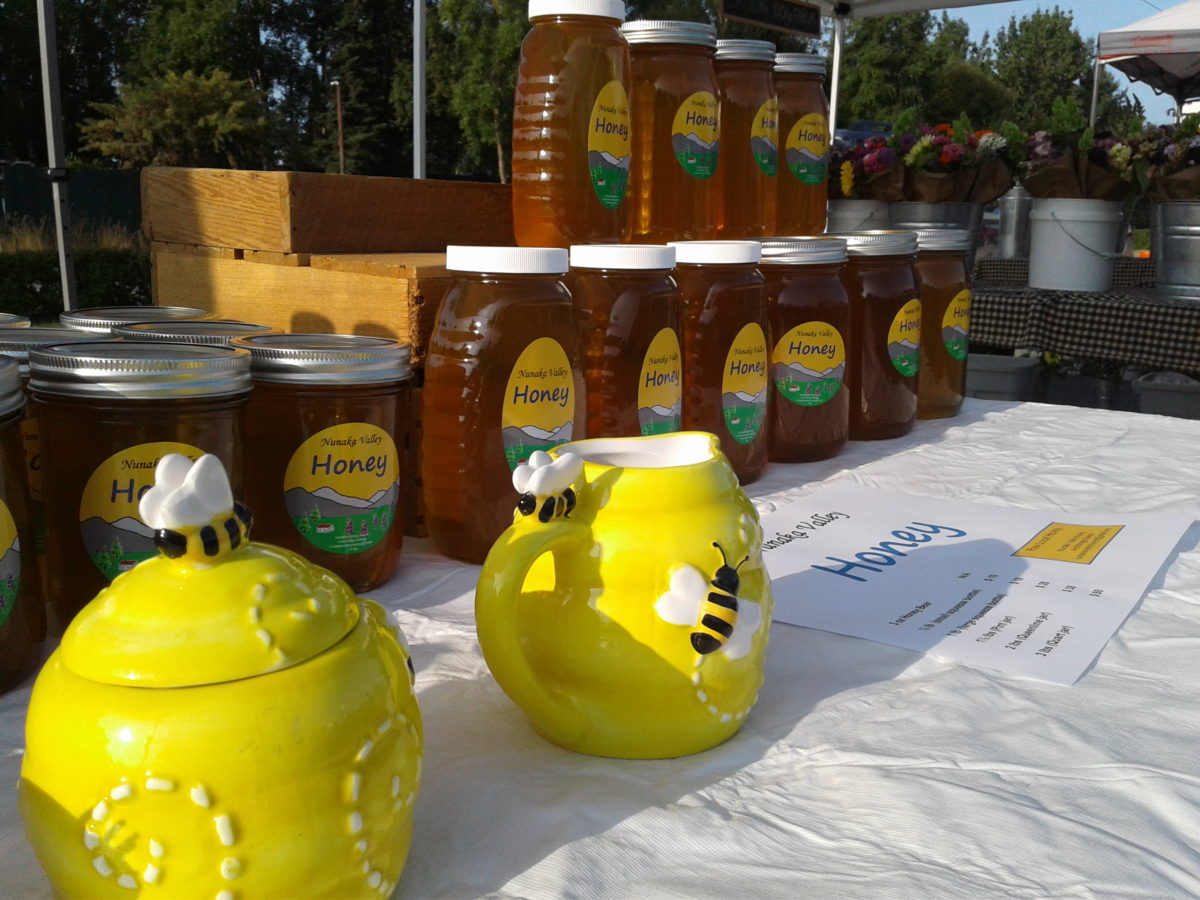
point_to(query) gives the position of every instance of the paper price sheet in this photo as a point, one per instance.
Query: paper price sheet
(1029, 592)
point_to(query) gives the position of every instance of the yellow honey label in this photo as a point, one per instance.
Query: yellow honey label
(10, 563)
(807, 148)
(114, 536)
(764, 137)
(744, 384)
(660, 388)
(904, 338)
(608, 144)
(1064, 542)
(341, 487)
(809, 363)
(694, 134)
(956, 325)
(539, 402)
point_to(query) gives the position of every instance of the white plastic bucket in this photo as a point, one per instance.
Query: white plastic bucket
(856, 215)
(1072, 243)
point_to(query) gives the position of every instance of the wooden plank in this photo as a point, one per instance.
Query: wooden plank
(271, 258)
(387, 265)
(217, 207)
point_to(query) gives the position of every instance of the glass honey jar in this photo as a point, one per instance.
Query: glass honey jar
(321, 463)
(676, 130)
(885, 333)
(804, 155)
(725, 355)
(107, 412)
(629, 321)
(212, 332)
(503, 378)
(747, 179)
(810, 320)
(571, 126)
(103, 319)
(12, 320)
(942, 282)
(22, 610)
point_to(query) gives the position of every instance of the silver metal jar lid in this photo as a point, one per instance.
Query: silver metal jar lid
(17, 342)
(803, 251)
(213, 332)
(104, 318)
(800, 62)
(733, 49)
(659, 31)
(12, 320)
(138, 371)
(880, 243)
(327, 358)
(12, 397)
(943, 239)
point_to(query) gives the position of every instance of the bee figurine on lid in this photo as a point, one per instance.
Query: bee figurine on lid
(225, 720)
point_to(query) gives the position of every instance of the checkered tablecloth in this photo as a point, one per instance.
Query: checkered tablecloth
(1128, 272)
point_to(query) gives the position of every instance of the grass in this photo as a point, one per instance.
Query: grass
(24, 234)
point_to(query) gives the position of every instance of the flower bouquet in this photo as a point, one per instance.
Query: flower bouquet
(1167, 161)
(866, 170)
(952, 163)
(1068, 161)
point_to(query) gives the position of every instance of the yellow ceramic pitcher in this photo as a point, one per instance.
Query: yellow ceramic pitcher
(626, 609)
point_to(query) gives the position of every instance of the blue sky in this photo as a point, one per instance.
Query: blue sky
(1090, 18)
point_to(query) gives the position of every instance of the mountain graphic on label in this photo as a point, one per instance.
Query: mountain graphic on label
(10, 571)
(521, 440)
(804, 372)
(801, 157)
(602, 159)
(329, 493)
(954, 333)
(750, 399)
(762, 147)
(665, 411)
(330, 503)
(119, 545)
(692, 142)
(902, 348)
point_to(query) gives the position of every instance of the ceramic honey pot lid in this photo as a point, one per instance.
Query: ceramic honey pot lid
(213, 606)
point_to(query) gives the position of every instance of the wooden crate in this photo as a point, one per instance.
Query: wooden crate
(309, 212)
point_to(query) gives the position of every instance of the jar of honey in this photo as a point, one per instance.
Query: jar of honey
(725, 353)
(747, 179)
(942, 282)
(676, 130)
(810, 320)
(321, 464)
(213, 332)
(107, 412)
(503, 378)
(804, 156)
(571, 126)
(12, 320)
(629, 320)
(103, 319)
(885, 333)
(22, 610)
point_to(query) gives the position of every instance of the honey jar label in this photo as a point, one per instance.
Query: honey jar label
(608, 144)
(114, 536)
(10, 563)
(807, 148)
(341, 487)
(694, 135)
(660, 389)
(904, 338)
(764, 137)
(744, 384)
(539, 402)
(32, 441)
(956, 325)
(809, 363)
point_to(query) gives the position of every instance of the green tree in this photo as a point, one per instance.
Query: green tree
(1046, 57)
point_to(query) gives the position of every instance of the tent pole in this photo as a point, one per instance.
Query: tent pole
(418, 88)
(839, 35)
(56, 171)
(1095, 85)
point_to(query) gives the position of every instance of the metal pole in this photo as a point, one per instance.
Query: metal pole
(418, 88)
(1095, 85)
(839, 36)
(56, 158)
(337, 102)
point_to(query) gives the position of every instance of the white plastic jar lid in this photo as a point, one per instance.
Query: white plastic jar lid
(659, 31)
(604, 9)
(507, 260)
(800, 62)
(717, 252)
(622, 256)
(738, 48)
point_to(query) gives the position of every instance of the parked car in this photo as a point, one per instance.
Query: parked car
(860, 131)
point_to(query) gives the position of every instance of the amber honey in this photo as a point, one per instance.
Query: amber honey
(725, 349)
(503, 378)
(747, 179)
(629, 321)
(942, 281)
(103, 319)
(804, 149)
(676, 130)
(810, 321)
(571, 126)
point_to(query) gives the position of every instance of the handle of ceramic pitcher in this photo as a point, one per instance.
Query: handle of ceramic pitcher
(497, 619)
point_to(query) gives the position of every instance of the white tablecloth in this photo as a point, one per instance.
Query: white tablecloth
(864, 770)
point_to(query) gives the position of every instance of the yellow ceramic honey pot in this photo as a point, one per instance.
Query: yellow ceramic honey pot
(223, 721)
(626, 609)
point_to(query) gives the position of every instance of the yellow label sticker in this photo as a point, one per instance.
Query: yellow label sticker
(956, 325)
(660, 388)
(341, 487)
(807, 148)
(608, 144)
(1064, 542)
(10, 563)
(539, 402)
(114, 536)
(744, 384)
(694, 134)
(809, 363)
(764, 137)
(904, 338)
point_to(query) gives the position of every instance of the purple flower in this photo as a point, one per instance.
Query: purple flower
(906, 142)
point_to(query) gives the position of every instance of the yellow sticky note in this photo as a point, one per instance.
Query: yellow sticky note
(1064, 542)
